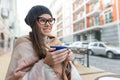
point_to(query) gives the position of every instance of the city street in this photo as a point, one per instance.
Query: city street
(111, 65)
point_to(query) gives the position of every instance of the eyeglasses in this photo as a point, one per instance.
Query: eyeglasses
(43, 20)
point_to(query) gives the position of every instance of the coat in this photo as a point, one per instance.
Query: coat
(25, 64)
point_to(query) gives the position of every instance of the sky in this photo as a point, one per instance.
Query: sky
(23, 6)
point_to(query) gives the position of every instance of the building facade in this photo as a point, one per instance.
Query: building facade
(7, 23)
(87, 20)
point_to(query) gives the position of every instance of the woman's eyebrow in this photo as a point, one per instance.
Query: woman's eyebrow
(43, 17)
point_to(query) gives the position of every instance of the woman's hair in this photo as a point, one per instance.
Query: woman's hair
(39, 46)
(36, 36)
(37, 39)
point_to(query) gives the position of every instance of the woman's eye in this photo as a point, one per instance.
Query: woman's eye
(42, 20)
(50, 20)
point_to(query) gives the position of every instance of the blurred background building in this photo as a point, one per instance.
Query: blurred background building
(76, 20)
(8, 24)
(87, 20)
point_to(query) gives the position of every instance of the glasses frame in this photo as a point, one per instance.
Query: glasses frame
(46, 20)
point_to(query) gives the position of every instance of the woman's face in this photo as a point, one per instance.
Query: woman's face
(44, 23)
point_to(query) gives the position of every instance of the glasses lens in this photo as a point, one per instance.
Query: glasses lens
(51, 21)
(42, 20)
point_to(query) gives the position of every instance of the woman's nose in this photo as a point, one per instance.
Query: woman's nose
(47, 23)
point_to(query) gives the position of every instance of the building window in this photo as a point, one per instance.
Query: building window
(91, 23)
(98, 35)
(78, 26)
(84, 36)
(2, 37)
(108, 17)
(78, 37)
(96, 20)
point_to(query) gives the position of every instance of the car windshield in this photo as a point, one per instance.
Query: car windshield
(85, 43)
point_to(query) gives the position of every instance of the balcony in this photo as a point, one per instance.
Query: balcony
(94, 11)
(91, 1)
(88, 29)
(77, 3)
(80, 17)
(107, 4)
(79, 8)
(79, 20)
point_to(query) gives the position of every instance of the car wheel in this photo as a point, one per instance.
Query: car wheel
(110, 55)
(90, 52)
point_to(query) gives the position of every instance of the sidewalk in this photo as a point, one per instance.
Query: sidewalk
(90, 73)
(4, 62)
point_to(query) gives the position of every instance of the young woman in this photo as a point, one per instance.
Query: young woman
(32, 57)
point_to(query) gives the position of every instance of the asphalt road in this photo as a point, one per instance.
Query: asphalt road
(111, 65)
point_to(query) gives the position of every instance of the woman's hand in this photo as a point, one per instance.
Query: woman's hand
(54, 57)
(70, 56)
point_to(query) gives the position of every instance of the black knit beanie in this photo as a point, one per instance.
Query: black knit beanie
(34, 12)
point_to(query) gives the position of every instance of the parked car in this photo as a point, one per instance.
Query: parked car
(79, 44)
(102, 48)
(79, 47)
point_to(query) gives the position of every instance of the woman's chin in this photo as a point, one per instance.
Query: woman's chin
(47, 34)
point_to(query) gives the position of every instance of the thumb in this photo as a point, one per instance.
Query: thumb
(51, 49)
